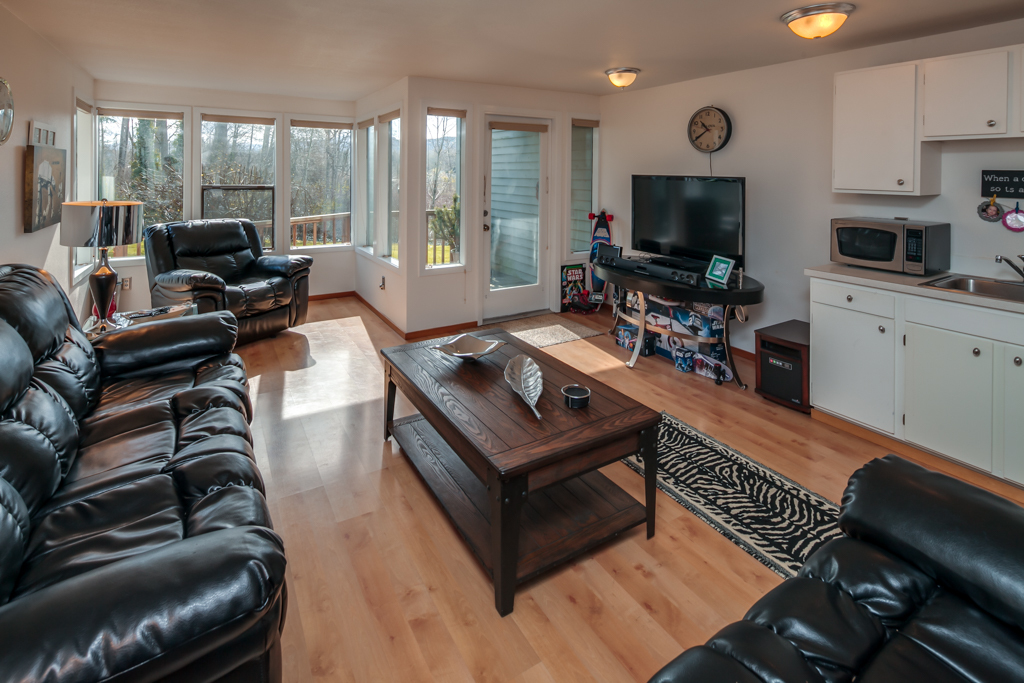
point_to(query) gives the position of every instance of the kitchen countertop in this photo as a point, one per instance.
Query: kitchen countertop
(907, 284)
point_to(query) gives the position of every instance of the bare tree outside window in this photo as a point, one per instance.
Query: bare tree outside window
(444, 156)
(321, 172)
(140, 159)
(239, 159)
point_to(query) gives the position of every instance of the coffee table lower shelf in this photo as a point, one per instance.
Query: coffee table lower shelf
(557, 523)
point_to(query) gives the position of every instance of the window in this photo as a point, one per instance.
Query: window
(140, 157)
(321, 171)
(368, 143)
(444, 173)
(82, 258)
(239, 161)
(581, 188)
(394, 152)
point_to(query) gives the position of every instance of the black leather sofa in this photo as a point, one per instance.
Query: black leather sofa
(135, 540)
(927, 585)
(219, 265)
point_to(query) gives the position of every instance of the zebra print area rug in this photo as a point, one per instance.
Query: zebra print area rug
(771, 517)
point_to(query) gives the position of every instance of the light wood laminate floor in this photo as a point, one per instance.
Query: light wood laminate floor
(381, 587)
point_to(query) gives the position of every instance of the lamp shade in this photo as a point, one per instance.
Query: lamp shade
(818, 21)
(622, 76)
(101, 224)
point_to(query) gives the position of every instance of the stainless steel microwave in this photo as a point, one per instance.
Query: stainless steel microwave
(901, 245)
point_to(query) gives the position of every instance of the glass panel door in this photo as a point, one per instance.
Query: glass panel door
(515, 208)
(516, 200)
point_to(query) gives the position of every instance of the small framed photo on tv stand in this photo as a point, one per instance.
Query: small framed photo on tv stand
(719, 271)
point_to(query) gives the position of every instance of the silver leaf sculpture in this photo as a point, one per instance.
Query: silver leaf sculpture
(526, 379)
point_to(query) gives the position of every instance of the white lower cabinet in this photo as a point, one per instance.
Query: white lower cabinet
(853, 358)
(948, 399)
(1013, 412)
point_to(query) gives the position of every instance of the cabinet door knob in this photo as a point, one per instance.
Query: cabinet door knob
(991, 123)
(900, 181)
(976, 351)
(881, 329)
(849, 298)
(1017, 361)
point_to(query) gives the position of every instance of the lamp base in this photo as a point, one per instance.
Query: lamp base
(102, 285)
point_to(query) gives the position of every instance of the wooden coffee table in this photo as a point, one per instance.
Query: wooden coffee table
(524, 493)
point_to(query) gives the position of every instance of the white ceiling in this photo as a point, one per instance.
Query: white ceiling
(345, 49)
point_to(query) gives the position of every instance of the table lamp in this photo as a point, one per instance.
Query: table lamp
(101, 224)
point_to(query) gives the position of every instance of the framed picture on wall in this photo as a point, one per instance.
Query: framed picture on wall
(45, 177)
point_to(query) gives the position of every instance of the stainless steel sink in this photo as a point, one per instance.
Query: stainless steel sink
(980, 286)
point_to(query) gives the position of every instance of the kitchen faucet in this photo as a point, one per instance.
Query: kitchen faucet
(1007, 261)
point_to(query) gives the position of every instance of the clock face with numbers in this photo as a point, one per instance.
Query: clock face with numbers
(709, 129)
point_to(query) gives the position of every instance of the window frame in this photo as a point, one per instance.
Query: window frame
(569, 256)
(422, 227)
(282, 173)
(317, 118)
(77, 273)
(383, 172)
(186, 163)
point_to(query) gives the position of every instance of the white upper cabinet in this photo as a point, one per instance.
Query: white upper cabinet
(874, 142)
(967, 95)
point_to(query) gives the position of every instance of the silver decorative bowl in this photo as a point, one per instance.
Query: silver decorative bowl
(468, 347)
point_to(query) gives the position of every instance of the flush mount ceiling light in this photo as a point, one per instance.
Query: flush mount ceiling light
(818, 21)
(622, 76)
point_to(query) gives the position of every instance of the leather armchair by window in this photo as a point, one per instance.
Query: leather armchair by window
(926, 585)
(219, 265)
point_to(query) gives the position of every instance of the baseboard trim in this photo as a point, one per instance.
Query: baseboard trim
(892, 444)
(740, 353)
(387, 321)
(420, 335)
(335, 295)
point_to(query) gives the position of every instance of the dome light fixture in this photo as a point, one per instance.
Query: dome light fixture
(623, 76)
(818, 21)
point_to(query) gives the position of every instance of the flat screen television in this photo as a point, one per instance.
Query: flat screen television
(689, 217)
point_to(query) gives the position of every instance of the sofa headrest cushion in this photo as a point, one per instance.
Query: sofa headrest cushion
(33, 305)
(966, 538)
(16, 364)
(220, 247)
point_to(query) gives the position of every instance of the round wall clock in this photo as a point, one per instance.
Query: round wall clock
(709, 130)
(6, 111)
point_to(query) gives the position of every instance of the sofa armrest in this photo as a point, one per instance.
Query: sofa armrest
(285, 266)
(189, 281)
(161, 342)
(146, 617)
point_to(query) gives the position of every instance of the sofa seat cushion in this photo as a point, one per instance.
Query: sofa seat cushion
(130, 393)
(252, 296)
(91, 532)
(146, 434)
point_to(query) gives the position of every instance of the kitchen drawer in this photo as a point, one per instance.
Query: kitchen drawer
(853, 298)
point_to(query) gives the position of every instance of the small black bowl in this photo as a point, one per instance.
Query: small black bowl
(576, 395)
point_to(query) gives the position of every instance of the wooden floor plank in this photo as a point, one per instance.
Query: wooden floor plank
(381, 586)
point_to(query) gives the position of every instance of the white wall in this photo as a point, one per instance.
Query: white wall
(334, 270)
(782, 144)
(43, 82)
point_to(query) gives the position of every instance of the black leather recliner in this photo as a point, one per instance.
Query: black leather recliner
(219, 264)
(927, 585)
(135, 540)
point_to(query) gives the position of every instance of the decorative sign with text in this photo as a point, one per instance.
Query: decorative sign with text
(1003, 184)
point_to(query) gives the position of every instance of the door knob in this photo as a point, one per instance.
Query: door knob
(976, 351)
(991, 123)
(881, 329)
(849, 298)
(486, 227)
(1017, 361)
(900, 181)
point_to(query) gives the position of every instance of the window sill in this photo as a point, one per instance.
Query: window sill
(367, 253)
(127, 261)
(446, 269)
(79, 274)
(321, 248)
